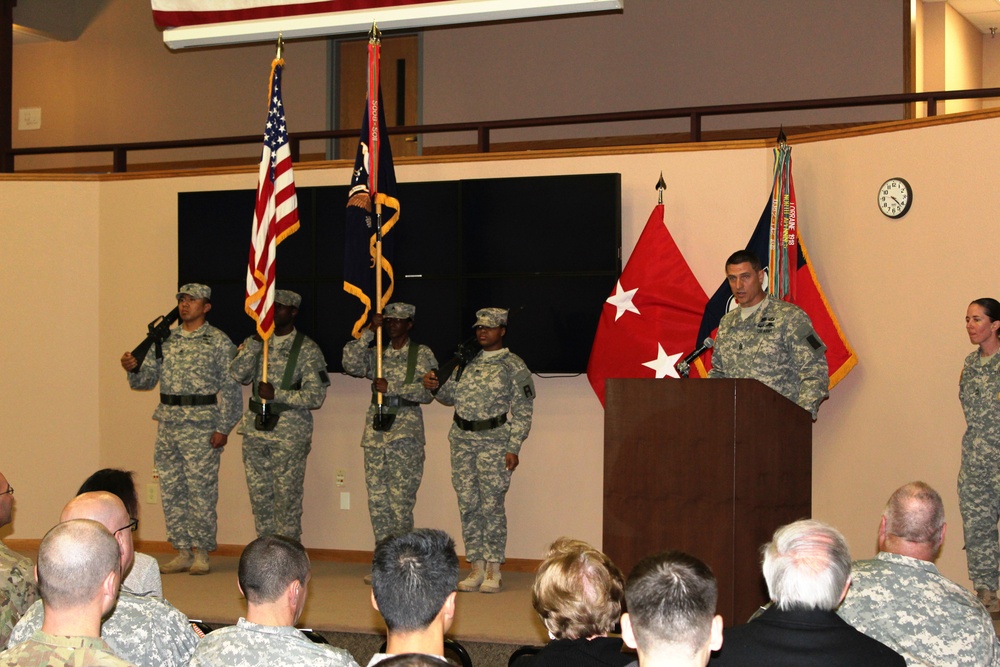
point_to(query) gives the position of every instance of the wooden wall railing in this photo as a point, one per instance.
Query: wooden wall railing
(119, 152)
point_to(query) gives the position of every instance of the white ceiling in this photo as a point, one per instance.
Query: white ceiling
(984, 14)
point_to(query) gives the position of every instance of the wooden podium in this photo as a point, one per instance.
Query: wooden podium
(710, 467)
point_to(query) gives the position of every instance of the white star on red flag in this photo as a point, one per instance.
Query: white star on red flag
(622, 301)
(664, 364)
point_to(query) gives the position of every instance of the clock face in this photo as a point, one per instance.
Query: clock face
(895, 197)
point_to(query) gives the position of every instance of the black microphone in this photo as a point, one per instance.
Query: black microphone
(706, 345)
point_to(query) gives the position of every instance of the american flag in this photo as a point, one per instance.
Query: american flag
(276, 215)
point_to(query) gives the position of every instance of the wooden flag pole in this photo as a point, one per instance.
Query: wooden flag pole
(374, 53)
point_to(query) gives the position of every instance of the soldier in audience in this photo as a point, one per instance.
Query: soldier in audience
(413, 587)
(485, 443)
(671, 619)
(78, 574)
(144, 576)
(147, 631)
(275, 448)
(274, 578)
(17, 580)
(807, 567)
(901, 599)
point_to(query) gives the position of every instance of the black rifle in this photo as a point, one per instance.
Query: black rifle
(159, 329)
(465, 352)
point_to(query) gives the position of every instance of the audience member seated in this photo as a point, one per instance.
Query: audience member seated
(414, 576)
(274, 577)
(578, 594)
(807, 567)
(78, 564)
(901, 599)
(144, 577)
(671, 619)
(146, 631)
(17, 578)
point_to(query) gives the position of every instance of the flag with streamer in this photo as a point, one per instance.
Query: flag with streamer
(276, 214)
(372, 206)
(790, 275)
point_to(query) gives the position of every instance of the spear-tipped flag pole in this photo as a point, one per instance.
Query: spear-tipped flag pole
(276, 214)
(373, 188)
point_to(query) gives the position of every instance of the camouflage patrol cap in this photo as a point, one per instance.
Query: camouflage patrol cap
(197, 290)
(399, 311)
(287, 298)
(491, 317)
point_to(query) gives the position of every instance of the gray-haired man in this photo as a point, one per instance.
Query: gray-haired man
(901, 599)
(807, 567)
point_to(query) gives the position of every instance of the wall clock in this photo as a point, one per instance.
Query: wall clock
(895, 197)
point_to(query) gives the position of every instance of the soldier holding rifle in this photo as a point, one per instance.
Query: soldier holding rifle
(199, 406)
(485, 443)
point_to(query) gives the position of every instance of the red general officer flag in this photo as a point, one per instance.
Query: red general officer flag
(651, 320)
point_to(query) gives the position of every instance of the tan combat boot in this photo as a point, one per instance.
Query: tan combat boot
(492, 582)
(180, 563)
(200, 564)
(990, 601)
(472, 582)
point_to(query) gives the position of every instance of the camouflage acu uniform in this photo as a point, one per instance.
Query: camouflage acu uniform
(909, 606)
(979, 477)
(394, 459)
(146, 631)
(490, 386)
(248, 644)
(778, 346)
(17, 589)
(275, 460)
(45, 650)
(193, 364)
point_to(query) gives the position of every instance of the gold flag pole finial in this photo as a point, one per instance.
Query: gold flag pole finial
(661, 185)
(374, 35)
(281, 47)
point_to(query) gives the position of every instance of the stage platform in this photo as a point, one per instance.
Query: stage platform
(339, 606)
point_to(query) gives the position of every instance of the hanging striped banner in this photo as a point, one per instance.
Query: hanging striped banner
(190, 23)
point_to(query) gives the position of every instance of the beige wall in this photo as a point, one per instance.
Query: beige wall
(101, 255)
(50, 396)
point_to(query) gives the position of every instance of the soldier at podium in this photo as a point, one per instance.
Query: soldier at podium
(769, 339)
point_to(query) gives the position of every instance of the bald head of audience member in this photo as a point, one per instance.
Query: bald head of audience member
(671, 617)
(913, 522)
(78, 574)
(807, 565)
(274, 577)
(108, 510)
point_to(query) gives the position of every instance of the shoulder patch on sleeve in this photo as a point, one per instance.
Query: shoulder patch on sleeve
(523, 379)
(806, 332)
